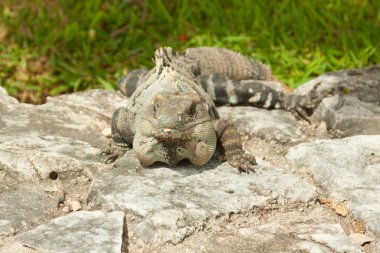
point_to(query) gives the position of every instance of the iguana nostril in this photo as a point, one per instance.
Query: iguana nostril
(192, 110)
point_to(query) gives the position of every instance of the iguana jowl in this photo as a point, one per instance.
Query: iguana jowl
(171, 114)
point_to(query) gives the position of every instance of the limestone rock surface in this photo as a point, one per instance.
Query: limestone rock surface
(348, 170)
(50, 157)
(275, 237)
(172, 204)
(349, 115)
(22, 208)
(354, 106)
(274, 125)
(79, 232)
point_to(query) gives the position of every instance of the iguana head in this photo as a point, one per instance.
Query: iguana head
(176, 113)
(175, 126)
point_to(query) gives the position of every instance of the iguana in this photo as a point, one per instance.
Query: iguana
(171, 113)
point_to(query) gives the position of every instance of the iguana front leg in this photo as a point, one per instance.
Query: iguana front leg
(229, 140)
(122, 133)
(122, 127)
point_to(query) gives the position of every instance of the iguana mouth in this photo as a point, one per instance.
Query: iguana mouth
(170, 134)
(175, 134)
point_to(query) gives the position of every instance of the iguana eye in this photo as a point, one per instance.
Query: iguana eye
(193, 110)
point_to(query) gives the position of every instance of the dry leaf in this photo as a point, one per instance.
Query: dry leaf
(357, 227)
(338, 207)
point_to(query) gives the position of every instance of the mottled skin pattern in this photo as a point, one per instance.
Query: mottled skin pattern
(171, 113)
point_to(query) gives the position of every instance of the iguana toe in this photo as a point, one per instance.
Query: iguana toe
(244, 162)
(112, 154)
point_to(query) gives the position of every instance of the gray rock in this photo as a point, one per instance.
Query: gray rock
(81, 231)
(183, 207)
(22, 208)
(87, 113)
(361, 239)
(173, 203)
(35, 157)
(347, 170)
(364, 83)
(349, 115)
(287, 231)
(277, 125)
(63, 135)
(355, 106)
(6, 101)
(309, 238)
(330, 235)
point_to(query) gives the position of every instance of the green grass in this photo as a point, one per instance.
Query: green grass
(61, 46)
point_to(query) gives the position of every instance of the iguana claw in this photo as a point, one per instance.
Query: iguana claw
(112, 153)
(244, 162)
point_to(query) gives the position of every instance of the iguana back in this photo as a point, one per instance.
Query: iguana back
(223, 61)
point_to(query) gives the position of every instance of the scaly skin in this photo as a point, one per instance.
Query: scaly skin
(171, 114)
